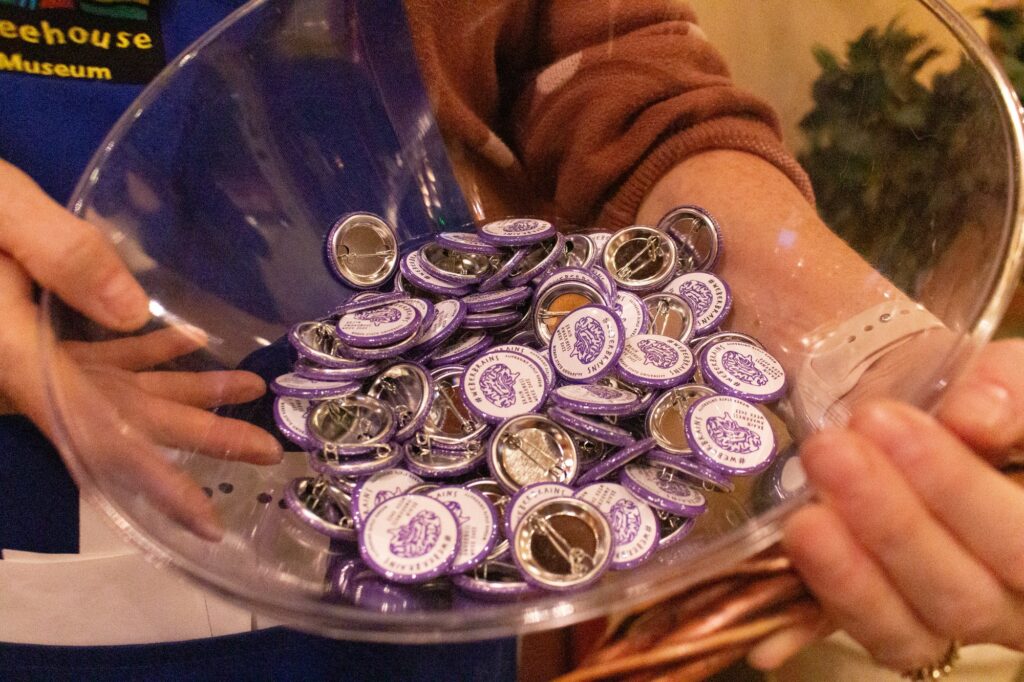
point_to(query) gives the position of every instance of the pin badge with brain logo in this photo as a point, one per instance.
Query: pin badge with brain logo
(743, 370)
(655, 361)
(381, 326)
(730, 434)
(409, 539)
(516, 231)
(708, 296)
(503, 384)
(586, 344)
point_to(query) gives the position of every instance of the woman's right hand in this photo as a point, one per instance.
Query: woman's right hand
(121, 414)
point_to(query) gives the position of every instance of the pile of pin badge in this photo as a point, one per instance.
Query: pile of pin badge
(524, 410)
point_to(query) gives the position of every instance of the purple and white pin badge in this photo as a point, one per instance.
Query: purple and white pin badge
(291, 415)
(409, 539)
(496, 319)
(467, 242)
(655, 361)
(448, 315)
(586, 344)
(293, 385)
(500, 385)
(655, 487)
(366, 300)
(498, 277)
(560, 275)
(595, 399)
(527, 498)
(704, 476)
(478, 525)
(516, 231)
(381, 486)
(730, 434)
(380, 326)
(633, 313)
(534, 354)
(634, 525)
(617, 460)
(591, 428)
(743, 370)
(708, 296)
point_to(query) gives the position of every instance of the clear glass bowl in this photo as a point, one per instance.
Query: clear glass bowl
(220, 182)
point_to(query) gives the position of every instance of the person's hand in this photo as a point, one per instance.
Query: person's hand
(916, 539)
(119, 417)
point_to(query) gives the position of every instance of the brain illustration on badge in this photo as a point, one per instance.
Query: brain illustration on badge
(417, 537)
(698, 295)
(379, 316)
(498, 384)
(732, 436)
(603, 392)
(385, 495)
(520, 226)
(625, 521)
(589, 340)
(456, 509)
(743, 368)
(673, 487)
(658, 353)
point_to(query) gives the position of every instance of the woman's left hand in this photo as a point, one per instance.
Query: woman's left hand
(915, 539)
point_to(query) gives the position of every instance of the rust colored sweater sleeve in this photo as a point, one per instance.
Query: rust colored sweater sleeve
(592, 101)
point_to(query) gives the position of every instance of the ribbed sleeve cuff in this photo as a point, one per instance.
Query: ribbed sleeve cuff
(727, 133)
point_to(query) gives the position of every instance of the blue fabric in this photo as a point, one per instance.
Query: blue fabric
(275, 654)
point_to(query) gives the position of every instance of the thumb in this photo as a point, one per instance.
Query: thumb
(67, 255)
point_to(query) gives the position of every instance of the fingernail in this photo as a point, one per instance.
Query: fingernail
(982, 406)
(124, 298)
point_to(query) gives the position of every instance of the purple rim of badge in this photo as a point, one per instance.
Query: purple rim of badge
(489, 515)
(516, 231)
(409, 539)
(427, 311)
(468, 346)
(493, 590)
(637, 312)
(467, 242)
(471, 461)
(636, 534)
(379, 326)
(309, 518)
(382, 352)
(308, 370)
(704, 475)
(654, 361)
(448, 316)
(595, 399)
(679, 533)
(290, 417)
(398, 483)
(742, 370)
(489, 301)
(586, 344)
(492, 320)
(497, 280)
(676, 497)
(331, 257)
(709, 297)
(592, 428)
(712, 429)
(500, 386)
(542, 266)
(357, 466)
(529, 496)
(413, 270)
(608, 283)
(616, 461)
(454, 279)
(367, 300)
(292, 385)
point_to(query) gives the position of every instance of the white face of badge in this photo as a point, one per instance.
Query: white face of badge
(654, 357)
(585, 393)
(633, 523)
(586, 344)
(530, 497)
(731, 433)
(410, 537)
(292, 380)
(381, 487)
(500, 385)
(292, 413)
(707, 294)
(444, 313)
(517, 227)
(750, 371)
(378, 322)
(477, 525)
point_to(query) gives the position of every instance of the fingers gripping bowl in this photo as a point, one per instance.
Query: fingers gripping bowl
(220, 186)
